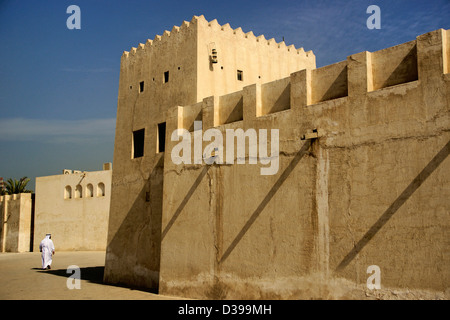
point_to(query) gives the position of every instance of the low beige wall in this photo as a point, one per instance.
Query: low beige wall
(15, 231)
(76, 223)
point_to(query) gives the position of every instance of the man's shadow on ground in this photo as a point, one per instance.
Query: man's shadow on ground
(91, 274)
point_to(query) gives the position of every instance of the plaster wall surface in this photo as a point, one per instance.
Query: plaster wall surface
(137, 182)
(371, 187)
(259, 59)
(74, 208)
(15, 230)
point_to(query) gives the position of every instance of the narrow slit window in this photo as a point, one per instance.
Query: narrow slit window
(68, 192)
(138, 143)
(141, 86)
(78, 191)
(101, 189)
(161, 137)
(89, 190)
(166, 76)
(240, 75)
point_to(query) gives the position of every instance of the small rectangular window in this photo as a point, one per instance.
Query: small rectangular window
(161, 137)
(240, 75)
(138, 143)
(141, 86)
(166, 76)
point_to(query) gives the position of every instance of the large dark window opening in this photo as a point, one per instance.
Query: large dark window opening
(161, 137)
(138, 143)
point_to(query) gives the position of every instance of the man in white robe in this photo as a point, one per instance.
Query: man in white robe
(48, 250)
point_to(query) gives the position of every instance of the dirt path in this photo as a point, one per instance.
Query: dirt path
(21, 277)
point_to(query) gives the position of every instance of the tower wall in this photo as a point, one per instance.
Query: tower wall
(370, 190)
(361, 179)
(259, 59)
(154, 76)
(15, 231)
(137, 182)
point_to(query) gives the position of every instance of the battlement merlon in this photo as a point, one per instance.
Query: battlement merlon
(418, 64)
(200, 59)
(214, 25)
(15, 196)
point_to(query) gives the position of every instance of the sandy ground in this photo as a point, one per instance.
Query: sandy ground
(21, 277)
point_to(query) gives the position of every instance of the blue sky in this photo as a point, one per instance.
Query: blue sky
(58, 87)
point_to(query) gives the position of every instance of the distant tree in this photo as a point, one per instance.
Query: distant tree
(17, 186)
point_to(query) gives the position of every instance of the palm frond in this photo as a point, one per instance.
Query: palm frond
(17, 186)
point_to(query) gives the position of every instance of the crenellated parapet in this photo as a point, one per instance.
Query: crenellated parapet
(228, 31)
(261, 40)
(414, 65)
(158, 39)
(17, 196)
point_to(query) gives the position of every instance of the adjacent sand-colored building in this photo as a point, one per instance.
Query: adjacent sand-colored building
(16, 212)
(74, 208)
(362, 180)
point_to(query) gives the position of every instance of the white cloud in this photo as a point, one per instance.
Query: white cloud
(57, 131)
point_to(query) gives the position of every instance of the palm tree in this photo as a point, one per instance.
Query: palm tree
(17, 186)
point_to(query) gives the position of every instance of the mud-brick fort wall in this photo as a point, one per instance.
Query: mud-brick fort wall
(368, 185)
(174, 69)
(74, 208)
(16, 212)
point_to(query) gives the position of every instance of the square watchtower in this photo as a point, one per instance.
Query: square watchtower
(197, 60)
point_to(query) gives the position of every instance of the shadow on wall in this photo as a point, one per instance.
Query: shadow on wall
(267, 199)
(283, 101)
(396, 205)
(400, 68)
(406, 71)
(237, 113)
(185, 201)
(148, 242)
(338, 88)
(141, 231)
(256, 213)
